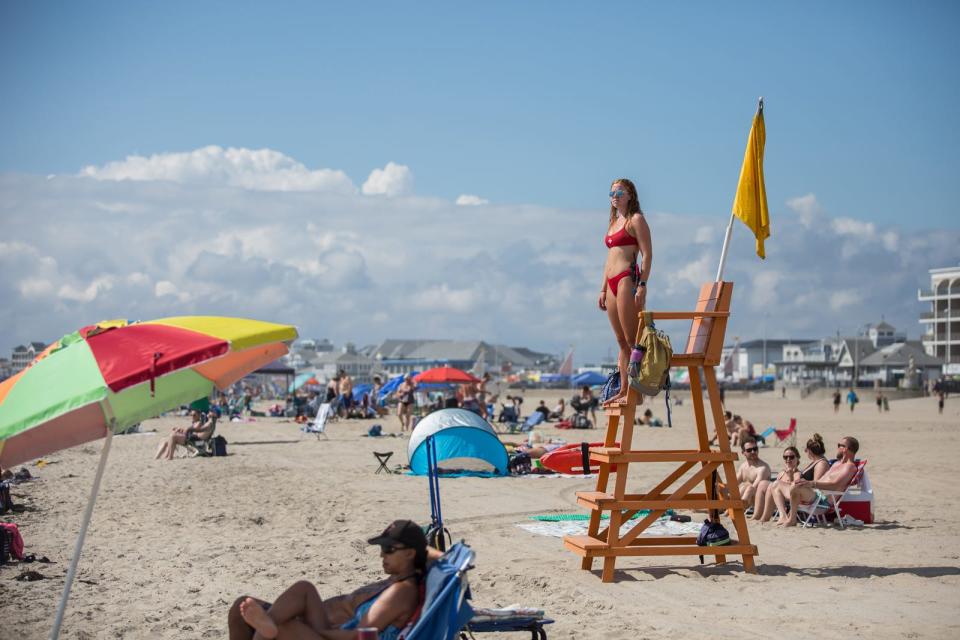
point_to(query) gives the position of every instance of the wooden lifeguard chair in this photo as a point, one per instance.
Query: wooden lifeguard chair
(704, 344)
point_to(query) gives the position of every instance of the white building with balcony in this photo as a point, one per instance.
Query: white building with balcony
(942, 337)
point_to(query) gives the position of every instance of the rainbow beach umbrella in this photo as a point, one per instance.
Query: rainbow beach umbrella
(107, 377)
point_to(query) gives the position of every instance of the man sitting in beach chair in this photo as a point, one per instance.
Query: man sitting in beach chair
(753, 473)
(836, 479)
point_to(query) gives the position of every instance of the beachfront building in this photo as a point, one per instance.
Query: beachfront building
(942, 337)
(808, 363)
(879, 355)
(23, 355)
(6, 368)
(754, 358)
(396, 357)
(358, 366)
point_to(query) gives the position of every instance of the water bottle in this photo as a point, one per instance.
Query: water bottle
(636, 357)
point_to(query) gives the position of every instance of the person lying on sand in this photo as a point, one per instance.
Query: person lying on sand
(836, 478)
(300, 613)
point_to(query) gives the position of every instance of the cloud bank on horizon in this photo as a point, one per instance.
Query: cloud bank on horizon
(256, 233)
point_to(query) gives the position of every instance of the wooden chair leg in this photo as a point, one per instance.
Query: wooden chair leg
(609, 564)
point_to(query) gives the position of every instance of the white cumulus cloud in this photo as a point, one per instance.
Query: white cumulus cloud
(255, 169)
(466, 200)
(393, 180)
(807, 208)
(342, 265)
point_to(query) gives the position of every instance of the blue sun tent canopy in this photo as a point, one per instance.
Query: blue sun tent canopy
(458, 434)
(589, 378)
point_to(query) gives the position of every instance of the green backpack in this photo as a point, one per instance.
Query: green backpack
(652, 374)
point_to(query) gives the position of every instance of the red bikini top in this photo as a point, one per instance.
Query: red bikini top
(620, 239)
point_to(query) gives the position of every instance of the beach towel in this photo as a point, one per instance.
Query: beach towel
(662, 527)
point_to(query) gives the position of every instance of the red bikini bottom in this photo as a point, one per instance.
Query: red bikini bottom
(614, 282)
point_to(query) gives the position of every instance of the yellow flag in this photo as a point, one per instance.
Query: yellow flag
(750, 203)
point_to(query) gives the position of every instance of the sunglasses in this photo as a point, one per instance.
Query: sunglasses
(616, 194)
(387, 550)
(841, 445)
(751, 450)
(789, 457)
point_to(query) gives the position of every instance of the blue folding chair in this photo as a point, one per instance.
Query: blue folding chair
(446, 612)
(762, 437)
(532, 420)
(437, 534)
(445, 608)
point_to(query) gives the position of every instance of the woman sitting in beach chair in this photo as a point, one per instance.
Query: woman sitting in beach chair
(388, 605)
(196, 436)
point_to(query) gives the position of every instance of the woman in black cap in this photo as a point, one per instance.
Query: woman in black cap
(300, 614)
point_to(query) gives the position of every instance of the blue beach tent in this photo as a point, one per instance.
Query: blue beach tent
(456, 434)
(589, 378)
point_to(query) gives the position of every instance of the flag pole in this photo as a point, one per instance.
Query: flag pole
(726, 238)
(723, 251)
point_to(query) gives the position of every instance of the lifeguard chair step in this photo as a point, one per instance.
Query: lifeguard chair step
(589, 547)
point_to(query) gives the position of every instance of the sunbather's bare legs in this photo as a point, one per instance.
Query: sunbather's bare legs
(759, 500)
(300, 601)
(236, 625)
(780, 497)
(258, 618)
(775, 499)
(798, 496)
(622, 313)
(747, 492)
(175, 439)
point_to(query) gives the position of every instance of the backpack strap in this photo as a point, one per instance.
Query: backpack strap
(648, 319)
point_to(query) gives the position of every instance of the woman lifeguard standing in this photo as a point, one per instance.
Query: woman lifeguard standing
(623, 292)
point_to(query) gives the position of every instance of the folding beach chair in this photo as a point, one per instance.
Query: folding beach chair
(445, 608)
(787, 436)
(319, 424)
(532, 420)
(383, 457)
(818, 510)
(446, 614)
(202, 447)
(766, 434)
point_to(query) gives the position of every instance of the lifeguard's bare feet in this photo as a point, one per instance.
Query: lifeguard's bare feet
(620, 398)
(257, 617)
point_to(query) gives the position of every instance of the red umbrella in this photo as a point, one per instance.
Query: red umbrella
(446, 374)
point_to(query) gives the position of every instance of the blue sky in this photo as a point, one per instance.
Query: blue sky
(534, 102)
(530, 106)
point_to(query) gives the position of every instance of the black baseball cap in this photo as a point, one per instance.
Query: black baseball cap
(405, 532)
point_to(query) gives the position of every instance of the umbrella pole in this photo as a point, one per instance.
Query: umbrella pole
(71, 573)
(723, 252)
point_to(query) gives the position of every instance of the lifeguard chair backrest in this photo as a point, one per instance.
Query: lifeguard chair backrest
(707, 334)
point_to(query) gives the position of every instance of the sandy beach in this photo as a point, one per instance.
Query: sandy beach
(172, 544)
